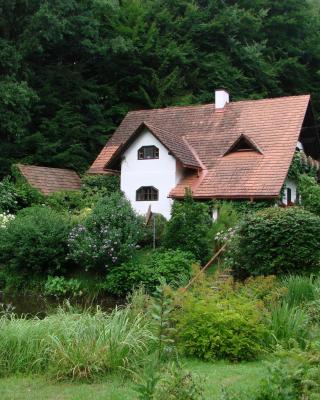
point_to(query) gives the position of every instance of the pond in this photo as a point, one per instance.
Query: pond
(32, 304)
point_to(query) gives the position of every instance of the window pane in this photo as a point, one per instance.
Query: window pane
(148, 153)
(147, 193)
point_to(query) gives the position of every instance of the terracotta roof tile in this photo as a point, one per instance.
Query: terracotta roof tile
(49, 180)
(273, 125)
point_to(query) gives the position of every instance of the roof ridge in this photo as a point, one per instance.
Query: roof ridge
(45, 167)
(213, 104)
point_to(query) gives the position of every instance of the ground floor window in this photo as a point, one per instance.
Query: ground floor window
(147, 193)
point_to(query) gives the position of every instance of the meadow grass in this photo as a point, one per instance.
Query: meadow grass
(72, 345)
(239, 377)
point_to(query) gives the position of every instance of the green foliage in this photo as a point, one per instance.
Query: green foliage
(74, 346)
(175, 266)
(70, 201)
(276, 241)
(301, 290)
(35, 242)
(212, 328)
(293, 375)
(17, 195)
(8, 196)
(310, 193)
(60, 286)
(287, 326)
(108, 236)
(227, 219)
(100, 184)
(66, 73)
(189, 228)
(169, 382)
(160, 230)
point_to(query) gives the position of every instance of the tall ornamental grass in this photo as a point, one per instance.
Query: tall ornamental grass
(301, 290)
(287, 325)
(74, 345)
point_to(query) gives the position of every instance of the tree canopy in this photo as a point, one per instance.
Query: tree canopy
(70, 69)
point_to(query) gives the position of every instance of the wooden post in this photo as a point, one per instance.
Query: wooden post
(205, 267)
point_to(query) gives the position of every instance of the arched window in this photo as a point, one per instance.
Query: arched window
(148, 153)
(147, 193)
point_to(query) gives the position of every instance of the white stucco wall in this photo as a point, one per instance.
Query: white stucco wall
(162, 173)
(289, 183)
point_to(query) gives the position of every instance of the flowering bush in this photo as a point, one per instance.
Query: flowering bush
(5, 218)
(108, 236)
(8, 196)
(223, 236)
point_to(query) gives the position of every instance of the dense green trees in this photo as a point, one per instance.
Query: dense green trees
(70, 70)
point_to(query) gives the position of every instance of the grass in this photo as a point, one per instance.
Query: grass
(73, 345)
(242, 376)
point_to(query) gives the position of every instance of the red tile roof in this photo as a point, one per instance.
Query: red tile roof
(273, 126)
(49, 180)
(177, 145)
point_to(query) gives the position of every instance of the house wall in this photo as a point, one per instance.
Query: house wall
(162, 173)
(289, 183)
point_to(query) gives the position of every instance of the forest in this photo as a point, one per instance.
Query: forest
(70, 70)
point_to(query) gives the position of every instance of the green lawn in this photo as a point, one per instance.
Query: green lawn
(238, 376)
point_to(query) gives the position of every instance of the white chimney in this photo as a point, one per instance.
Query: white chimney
(221, 98)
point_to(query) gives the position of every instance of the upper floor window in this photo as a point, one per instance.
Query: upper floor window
(147, 193)
(148, 153)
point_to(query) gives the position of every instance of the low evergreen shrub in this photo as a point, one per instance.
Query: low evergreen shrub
(276, 241)
(175, 266)
(189, 228)
(35, 242)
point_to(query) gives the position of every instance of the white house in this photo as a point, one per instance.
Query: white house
(226, 150)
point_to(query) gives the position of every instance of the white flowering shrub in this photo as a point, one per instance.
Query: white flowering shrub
(8, 196)
(223, 236)
(5, 218)
(108, 236)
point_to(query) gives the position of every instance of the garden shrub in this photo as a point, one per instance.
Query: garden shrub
(169, 381)
(8, 196)
(175, 266)
(160, 229)
(61, 286)
(35, 242)
(268, 289)
(94, 187)
(292, 375)
(17, 195)
(310, 193)
(108, 236)
(276, 241)
(70, 201)
(189, 228)
(220, 328)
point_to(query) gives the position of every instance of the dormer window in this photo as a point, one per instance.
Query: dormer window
(147, 193)
(148, 153)
(243, 143)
